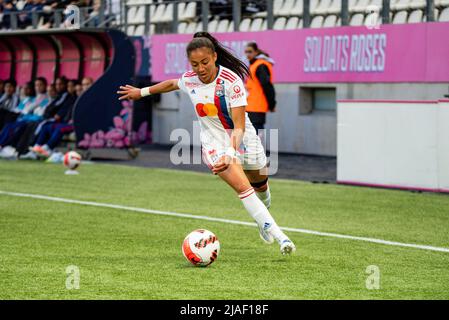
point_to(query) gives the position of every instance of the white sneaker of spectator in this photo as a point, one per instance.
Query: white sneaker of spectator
(56, 157)
(28, 156)
(8, 152)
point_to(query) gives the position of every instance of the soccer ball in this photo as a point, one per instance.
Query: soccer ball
(72, 160)
(201, 247)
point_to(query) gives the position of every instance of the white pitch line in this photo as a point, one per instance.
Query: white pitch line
(191, 216)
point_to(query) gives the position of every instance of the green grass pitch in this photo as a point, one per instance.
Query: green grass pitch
(131, 255)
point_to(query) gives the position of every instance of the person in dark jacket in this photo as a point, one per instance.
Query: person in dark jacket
(261, 93)
(52, 132)
(62, 101)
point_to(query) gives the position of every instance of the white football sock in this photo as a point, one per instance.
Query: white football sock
(260, 213)
(265, 196)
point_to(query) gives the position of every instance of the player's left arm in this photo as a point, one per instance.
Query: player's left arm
(238, 117)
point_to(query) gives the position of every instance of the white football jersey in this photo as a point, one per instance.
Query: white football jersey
(213, 103)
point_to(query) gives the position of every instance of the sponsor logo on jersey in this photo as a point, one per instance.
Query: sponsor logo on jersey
(237, 89)
(237, 96)
(189, 84)
(193, 91)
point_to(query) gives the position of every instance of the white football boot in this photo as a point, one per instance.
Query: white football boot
(265, 235)
(287, 247)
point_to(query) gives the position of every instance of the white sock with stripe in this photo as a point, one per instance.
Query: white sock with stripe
(265, 196)
(260, 213)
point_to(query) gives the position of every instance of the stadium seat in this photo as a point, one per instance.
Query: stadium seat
(191, 27)
(277, 6)
(361, 6)
(369, 20)
(400, 5)
(400, 17)
(199, 27)
(286, 9)
(323, 7)
(443, 3)
(351, 5)
(168, 13)
(130, 30)
(182, 26)
(357, 19)
(330, 21)
(188, 13)
(418, 4)
(377, 3)
(181, 8)
(334, 7)
(279, 23)
(416, 16)
(297, 8)
(140, 30)
(158, 14)
(313, 6)
(212, 26)
(444, 15)
(317, 22)
(131, 16)
(256, 24)
(231, 26)
(264, 25)
(245, 25)
(223, 25)
(292, 23)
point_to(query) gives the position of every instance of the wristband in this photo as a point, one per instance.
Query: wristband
(231, 152)
(145, 92)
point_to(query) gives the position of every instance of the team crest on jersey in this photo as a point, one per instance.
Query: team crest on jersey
(219, 90)
(219, 93)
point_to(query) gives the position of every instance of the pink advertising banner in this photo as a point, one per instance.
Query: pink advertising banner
(391, 53)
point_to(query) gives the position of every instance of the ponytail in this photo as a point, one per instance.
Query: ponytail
(224, 57)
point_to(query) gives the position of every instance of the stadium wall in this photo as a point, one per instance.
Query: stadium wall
(395, 144)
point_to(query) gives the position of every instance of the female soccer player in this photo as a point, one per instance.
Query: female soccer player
(230, 145)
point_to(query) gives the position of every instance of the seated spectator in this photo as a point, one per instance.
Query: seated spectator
(26, 107)
(51, 92)
(23, 142)
(8, 104)
(221, 8)
(26, 15)
(52, 132)
(86, 83)
(2, 86)
(7, 7)
(78, 89)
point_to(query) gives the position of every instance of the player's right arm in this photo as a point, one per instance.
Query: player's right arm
(133, 93)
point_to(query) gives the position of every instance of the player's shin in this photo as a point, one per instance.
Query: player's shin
(260, 213)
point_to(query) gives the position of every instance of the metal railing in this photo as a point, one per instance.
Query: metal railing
(80, 17)
(206, 10)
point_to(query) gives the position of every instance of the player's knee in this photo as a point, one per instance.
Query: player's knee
(261, 185)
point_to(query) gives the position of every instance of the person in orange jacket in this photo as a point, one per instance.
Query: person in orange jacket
(261, 93)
